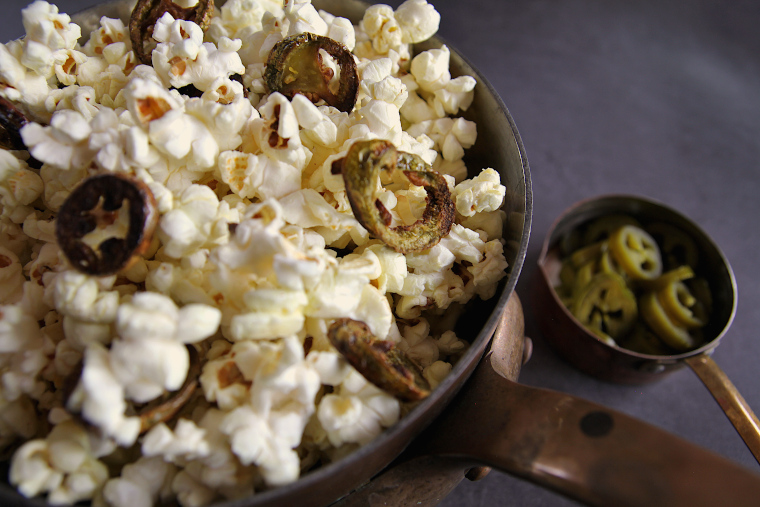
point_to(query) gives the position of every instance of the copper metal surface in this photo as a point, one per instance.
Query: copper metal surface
(595, 357)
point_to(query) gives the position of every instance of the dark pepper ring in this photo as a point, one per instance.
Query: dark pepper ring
(95, 204)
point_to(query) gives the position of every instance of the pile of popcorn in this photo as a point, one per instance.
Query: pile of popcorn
(256, 252)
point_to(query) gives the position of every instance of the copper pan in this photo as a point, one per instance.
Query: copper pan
(615, 364)
(579, 448)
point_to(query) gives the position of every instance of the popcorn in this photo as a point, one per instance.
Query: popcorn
(418, 20)
(256, 253)
(380, 25)
(46, 32)
(61, 465)
(484, 193)
(356, 412)
(64, 144)
(182, 58)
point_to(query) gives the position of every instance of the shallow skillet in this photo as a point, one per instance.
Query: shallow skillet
(582, 449)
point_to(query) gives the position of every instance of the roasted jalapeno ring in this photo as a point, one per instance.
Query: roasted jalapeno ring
(11, 122)
(106, 222)
(297, 64)
(379, 361)
(606, 305)
(147, 12)
(361, 174)
(636, 252)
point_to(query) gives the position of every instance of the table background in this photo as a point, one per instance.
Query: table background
(659, 98)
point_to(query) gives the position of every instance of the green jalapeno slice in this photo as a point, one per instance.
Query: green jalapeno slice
(361, 168)
(636, 252)
(677, 247)
(673, 334)
(681, 305)
(296, 65)
(606, 305)
(603, 227)
(379, 361)
(147, 12)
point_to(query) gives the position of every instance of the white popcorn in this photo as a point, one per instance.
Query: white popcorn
(147, 99)
(100, 398)
(18, 184)
(356, 412)
(186, 442)
(81, 99)
(182, 58)
(80, 296)
(189, 224)
(277, 132)
(484, 193)
(150, 358)
(340, 29)
(492, 269)
(60, 465)
(46, 32)
(18, 82)
(252, 176)
(436, 372)
(63, 144)
(380, 25)
(110, 31)
(141, 484)
(418, 20)
(241, 15)
(303, 17)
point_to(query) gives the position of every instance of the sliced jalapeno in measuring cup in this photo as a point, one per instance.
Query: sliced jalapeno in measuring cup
(607, 305)
(636, 252)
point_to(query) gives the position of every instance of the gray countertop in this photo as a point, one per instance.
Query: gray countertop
(659, 98)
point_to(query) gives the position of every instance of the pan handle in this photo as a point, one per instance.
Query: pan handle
(581, 449)
(730, 400)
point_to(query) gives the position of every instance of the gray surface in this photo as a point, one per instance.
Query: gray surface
(659, 98)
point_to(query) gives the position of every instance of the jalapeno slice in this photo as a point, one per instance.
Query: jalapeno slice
(147, 12)
(677, 247)
(606, 305)
(681, 305)
(603, 227)
(11, 122)
(105, 222)
(642, 340)
(673, 334)
(297, 64)
(361, 174)
(636, 252)
(379, 361)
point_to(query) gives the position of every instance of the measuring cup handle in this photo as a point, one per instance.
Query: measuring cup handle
(586, 451)
(730, 400)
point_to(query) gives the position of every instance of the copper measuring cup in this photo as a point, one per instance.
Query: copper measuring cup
(615, 364)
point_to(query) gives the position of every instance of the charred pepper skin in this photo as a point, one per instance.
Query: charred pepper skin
(379, 361)
(147, 12)
(96, 203)
(361, 172)
(295, 65)
(12, 120)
